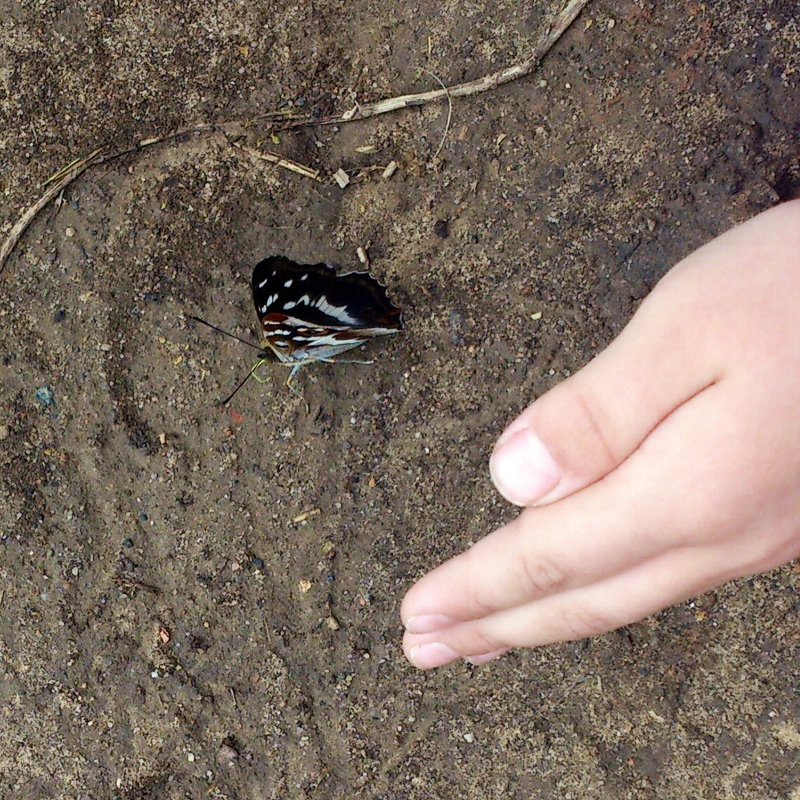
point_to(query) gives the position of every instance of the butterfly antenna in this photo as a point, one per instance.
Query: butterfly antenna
(227, 333)
(243, 382)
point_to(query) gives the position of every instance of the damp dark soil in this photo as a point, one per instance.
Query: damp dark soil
(202, 602)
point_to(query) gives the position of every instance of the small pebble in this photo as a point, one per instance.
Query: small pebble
(442, 228)
(44, 396)
(257, 563)
(390, 170)
(190, 758)
(456, 323)
(341, 178)
(3, 432)
(469, 738)
(333, 623)
(69, 233)
(128, 543)
(227, 754)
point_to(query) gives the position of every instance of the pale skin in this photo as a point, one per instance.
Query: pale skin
(668, 465)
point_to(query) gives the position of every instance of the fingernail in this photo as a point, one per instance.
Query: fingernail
(427, 623)
(516, 426)
(433, 654)
(522, 468)
(476, 661)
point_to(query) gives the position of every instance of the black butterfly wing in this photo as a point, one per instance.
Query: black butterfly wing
(316, 296)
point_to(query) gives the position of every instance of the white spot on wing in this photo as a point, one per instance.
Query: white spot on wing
(339, 313)
(288, 283)
(332, 341)
(262, 284)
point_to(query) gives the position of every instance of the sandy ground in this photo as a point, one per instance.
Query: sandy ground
(168, 624)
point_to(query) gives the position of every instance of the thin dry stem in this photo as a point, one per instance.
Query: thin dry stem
(68, 174)
(546, 41)
(62, 180)
(449, 114)
(285, 163)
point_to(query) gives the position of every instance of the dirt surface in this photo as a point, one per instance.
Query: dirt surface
(168, 629)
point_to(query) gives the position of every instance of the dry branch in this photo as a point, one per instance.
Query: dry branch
(68, 174)
(546, 41)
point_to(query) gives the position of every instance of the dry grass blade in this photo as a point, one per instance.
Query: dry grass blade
(205, 127)
(306, 514)
(66, 175)
(64, 170)
(59, 181)
(449, 114)
(285, 163)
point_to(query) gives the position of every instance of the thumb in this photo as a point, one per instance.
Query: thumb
(589, 424)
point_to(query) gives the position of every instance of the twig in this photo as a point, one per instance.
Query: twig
(204, 127)
(67, 175)
(546, 41)
(286, 163)
(449, 114)
(305, 515)
(65, 179)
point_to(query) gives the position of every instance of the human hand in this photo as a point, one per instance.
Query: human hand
(668, 465)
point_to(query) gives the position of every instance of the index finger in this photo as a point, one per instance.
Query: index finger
(605, 529)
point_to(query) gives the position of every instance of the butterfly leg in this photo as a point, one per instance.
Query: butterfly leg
(256, 375)
(295, 369)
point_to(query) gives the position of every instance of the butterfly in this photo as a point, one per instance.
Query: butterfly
(309, 313)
